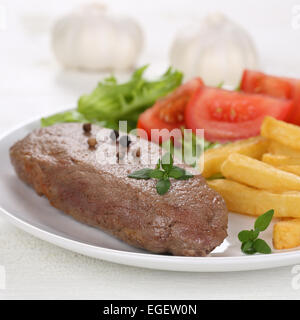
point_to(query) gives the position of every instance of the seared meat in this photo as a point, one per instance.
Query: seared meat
(190, 220)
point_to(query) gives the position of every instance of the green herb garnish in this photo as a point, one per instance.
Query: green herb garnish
(163, 171)
(250, 242)
(141, 174)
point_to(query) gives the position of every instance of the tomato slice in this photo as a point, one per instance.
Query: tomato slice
(229, 115)
(258, 82)
(168, 112)
(279, 87)
(149, 120)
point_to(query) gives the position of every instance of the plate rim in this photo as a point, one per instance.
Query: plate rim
(171, 263)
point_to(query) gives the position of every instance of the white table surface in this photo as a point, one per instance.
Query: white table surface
(31, 84)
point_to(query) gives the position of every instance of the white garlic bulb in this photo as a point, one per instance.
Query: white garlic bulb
(91, 39)
(217, 50)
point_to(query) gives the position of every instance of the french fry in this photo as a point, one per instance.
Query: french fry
(258, 174)
(280, 160)
(292, 169)
(283, 163)
(282, 132)
(213, 158)
(286, 234)
(280, 149)
(246, 200)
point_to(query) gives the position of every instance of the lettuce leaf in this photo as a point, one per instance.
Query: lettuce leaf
(74, 116)
(68, 116)
(111, 101)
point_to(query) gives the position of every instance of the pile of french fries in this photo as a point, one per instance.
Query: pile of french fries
(260, 174)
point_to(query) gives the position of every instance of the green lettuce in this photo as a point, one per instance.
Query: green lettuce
(74, 116)
(111, 101)
(68, 116)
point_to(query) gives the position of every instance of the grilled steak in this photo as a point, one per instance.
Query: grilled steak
(60, 163)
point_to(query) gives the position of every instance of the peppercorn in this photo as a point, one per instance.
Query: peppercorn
(125, 141)
(114, 135)
(138, 153)
(92, 142)
(87, 127)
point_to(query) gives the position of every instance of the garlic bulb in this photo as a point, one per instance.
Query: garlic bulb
(218, 51)
(91, 39)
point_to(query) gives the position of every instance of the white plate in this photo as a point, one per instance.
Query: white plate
(20, 205)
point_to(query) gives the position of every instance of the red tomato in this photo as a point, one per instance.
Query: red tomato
(168, 112)
(279, 87)
(229, 115)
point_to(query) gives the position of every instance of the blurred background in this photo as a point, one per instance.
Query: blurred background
(33, 82)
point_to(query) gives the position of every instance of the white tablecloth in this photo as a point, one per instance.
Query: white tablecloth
(32, 84)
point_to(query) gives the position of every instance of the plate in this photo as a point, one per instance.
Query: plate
(20, 205)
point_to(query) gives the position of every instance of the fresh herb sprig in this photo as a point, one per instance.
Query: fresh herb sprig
(163, 171)
(250, 242)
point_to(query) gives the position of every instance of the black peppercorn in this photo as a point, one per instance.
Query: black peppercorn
(87, 127)
(114, 135)
(125, 141)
